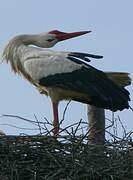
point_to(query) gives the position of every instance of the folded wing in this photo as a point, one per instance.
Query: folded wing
(72, 74)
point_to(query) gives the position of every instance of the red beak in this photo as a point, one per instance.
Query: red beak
(61, 36)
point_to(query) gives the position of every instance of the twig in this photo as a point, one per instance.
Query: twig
(64, 112)
(19, 127)
(39, 127)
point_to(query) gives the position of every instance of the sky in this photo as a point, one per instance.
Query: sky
(112, 36)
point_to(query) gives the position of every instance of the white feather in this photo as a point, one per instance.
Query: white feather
(40, 63)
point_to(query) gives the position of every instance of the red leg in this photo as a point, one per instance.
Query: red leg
(56, 119)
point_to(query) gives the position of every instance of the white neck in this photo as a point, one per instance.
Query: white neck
(11, 54)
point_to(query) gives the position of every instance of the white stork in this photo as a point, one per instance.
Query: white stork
(63, 75)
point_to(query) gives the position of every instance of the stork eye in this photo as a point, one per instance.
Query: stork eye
(50, 40)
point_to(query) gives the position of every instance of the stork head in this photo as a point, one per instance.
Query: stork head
(50, 38)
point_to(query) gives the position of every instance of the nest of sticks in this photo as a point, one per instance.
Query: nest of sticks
(69, 156)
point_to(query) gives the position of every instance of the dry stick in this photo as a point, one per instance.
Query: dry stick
(72, 125)
(124, 130)
(36, 123)
(24, 119)
(64, 112)
(39, 126)
(10, 125)
(48, 132)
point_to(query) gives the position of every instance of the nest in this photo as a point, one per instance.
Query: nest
(63, 158)
(69, 156)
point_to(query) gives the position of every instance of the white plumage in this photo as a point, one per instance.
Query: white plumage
(48, 63)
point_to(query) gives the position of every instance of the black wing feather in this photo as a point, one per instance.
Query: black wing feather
(102, 92)
(84, 56)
